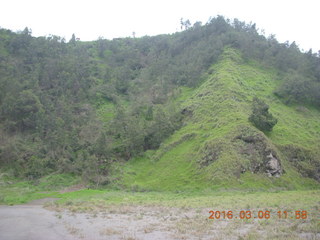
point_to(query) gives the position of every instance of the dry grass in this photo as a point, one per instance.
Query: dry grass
(74, 231)
(192, 224)
(150, 228)
(185, 218)
(129, 237)
(110, 231)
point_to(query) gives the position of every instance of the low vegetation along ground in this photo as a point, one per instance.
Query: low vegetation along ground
(118, 214)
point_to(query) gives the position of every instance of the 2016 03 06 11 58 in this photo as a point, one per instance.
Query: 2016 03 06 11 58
(258, 214)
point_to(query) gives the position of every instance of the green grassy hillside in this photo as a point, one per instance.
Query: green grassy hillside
(210, 151)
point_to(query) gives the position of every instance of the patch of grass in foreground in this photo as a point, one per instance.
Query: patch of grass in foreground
(222, 200)
(14, 191)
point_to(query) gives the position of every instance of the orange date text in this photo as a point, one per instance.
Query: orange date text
(261, 214)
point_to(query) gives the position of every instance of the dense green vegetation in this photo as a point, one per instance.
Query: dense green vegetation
(168, 112)
(260, 116)
(219, 148)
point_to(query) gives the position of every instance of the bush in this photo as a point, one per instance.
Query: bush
(260, 116)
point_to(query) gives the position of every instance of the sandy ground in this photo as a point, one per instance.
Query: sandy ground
(34, 222)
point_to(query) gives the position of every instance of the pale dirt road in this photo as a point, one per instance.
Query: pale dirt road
(31, 222)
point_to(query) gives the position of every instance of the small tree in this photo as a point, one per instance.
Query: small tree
(260, 116)
(73, 39)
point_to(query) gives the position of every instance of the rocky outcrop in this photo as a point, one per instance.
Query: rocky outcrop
(273, 167)
(262, 155)
(306, 161)
(244, 150)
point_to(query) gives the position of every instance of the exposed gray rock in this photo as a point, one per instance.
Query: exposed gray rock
(273, 166)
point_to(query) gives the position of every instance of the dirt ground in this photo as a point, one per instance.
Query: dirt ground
(34, 222)
(31, 222)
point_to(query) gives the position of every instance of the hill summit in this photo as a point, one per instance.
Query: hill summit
(219, 146)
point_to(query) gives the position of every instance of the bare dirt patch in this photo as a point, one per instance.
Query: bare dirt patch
(42, 201)
(138, 222)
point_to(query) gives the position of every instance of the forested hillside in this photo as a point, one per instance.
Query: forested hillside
(86, 107)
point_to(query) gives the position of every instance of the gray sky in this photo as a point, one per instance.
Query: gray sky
(89, 19)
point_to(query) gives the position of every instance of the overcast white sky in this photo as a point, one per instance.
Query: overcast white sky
(89, 19)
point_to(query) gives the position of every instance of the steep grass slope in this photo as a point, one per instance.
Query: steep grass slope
(219, 148)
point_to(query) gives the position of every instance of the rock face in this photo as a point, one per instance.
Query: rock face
(244, 150)
(305, 160)
(273, 167)
(260, 155)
